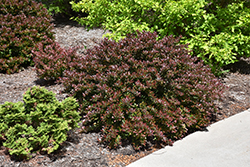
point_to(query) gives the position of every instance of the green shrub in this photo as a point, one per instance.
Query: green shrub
(223, 36)
(23, 24)
(140, 89)
(217, 31)
(119, 16)
(57, 6)
(40, 123)
(51, 60)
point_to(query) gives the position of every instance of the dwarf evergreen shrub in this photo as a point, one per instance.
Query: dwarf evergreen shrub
(23, 24)
(40, 123)
(141, 88)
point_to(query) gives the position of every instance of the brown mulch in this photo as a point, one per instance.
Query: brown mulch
(82, 149)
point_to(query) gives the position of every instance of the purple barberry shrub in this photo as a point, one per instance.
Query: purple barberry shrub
(23, 23)
(141, 89)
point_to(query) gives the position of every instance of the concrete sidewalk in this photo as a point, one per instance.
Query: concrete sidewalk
(225, 144)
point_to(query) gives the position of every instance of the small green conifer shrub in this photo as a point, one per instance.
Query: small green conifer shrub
(23, 24)
(40, 123)
(51, 60)
(141, 89)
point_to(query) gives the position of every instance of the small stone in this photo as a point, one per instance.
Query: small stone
(128, 150)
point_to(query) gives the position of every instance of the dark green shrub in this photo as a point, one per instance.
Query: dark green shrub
(224, 3)
(23, 24)
(40, 123)
(57, 6)
(140, 89)
(51, 60)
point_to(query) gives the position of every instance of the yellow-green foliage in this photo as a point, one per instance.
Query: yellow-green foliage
(119, 16)
(39, 124)
(217, 31)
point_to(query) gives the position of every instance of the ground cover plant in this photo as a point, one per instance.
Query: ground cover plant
(40, 123)
(142, 89)
(217, 31)
(23, 24)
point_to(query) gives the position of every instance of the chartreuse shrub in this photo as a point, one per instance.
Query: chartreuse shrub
(217, 31)
(23, 24)
(223, 35)
(51, 60)
(39, 124)
(119, 16)
(141, 89)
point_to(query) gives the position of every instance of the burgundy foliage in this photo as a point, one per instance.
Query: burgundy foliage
(23, 24)
(51, 60)
(142, 89)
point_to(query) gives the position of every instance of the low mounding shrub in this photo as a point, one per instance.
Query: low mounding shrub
(23, 24)
(142, 89)
(51, 60)
(40, 123)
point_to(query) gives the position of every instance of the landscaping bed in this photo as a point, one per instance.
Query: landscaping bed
(83, 149)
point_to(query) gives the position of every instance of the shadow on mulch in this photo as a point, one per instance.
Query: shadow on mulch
(43, 82)
(242, 66)
(61, 20)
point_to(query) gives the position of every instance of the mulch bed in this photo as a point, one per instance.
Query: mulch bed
(82, 149)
